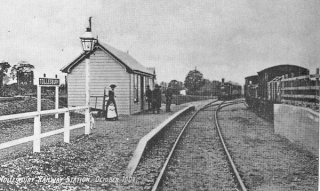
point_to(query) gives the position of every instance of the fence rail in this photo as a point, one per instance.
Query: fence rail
(302, 77)
(36, 138)
(301, 90)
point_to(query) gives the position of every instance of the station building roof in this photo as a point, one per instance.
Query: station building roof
(131, 64)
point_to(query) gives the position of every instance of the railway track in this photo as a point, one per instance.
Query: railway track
(191, 155)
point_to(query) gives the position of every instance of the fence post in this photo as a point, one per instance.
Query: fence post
(38, 98)
(37, 133)
(67, 127)
(56, 101)
(87, 121)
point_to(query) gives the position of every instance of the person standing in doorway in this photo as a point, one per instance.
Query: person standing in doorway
(148, 97)
(156, 99)
(169, 94)
(111, 107)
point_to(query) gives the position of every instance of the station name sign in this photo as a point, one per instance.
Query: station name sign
(49, 82)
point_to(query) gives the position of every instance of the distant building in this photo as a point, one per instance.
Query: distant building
(164, 86)
(183, 92)
(109, 66)
(24, 78)
(5, 80)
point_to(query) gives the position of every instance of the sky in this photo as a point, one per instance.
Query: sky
(222, 39)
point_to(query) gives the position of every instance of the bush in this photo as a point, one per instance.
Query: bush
(15, 90)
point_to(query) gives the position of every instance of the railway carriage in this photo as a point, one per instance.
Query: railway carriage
(263, 90)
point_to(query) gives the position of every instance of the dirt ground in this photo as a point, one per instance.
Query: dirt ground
(266, 161)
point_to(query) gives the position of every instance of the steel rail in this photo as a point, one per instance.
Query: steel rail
(156, 184)
(159, 178)
(234, 168)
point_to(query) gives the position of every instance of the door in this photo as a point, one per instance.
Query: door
(142, 89)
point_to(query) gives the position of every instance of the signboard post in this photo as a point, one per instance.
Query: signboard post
(48, 82)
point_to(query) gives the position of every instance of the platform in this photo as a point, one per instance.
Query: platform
(125, 133)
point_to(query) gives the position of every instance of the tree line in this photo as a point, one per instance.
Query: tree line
(22, 72)
(195, 84)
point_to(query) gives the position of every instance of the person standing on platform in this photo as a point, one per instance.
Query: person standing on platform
(156, 99)
(148, 97)
(169, 94)
(111, 107)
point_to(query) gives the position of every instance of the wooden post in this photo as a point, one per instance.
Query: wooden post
(37, 133)
(87, 112)
(38, 98)
(87, 80)
(57, 101)
(87, 121)
(67, 127)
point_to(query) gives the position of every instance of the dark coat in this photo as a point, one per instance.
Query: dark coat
(111, 99)
(169, 93)
(111, 95)
(149, 95)
(156, 97)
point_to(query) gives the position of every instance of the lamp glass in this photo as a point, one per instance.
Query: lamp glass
(87, 41)
(87, 44)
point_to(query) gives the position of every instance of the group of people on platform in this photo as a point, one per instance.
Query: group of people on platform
(153, 98)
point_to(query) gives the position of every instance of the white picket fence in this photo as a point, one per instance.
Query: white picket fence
(36, 138)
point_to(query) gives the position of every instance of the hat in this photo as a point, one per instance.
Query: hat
(156, 85)
(113, 86)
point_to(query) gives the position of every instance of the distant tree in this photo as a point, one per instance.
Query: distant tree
(21, 67)
(4, 66)
(194, 81)
(23, 72)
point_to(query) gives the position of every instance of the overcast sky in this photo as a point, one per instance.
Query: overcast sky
(231, 39)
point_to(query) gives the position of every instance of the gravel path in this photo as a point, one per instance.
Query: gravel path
(266, 161)
(199, 162)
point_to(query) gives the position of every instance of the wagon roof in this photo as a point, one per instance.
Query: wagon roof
(252, 77)
(232, 83)
(132, 65)
(285, 67)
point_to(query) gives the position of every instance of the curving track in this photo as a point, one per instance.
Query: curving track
(195, 155)
(201, 160)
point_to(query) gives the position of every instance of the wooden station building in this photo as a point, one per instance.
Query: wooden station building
(109, 66)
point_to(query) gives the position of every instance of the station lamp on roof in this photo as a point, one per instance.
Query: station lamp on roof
(87, 39)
